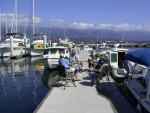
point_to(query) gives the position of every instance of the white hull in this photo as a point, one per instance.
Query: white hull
(139, 93)
(119, 73)
(50, 60)
(87, 48)
(50, 63)
(36, 52)
(17, 52)
(116, 58)
(16, 42)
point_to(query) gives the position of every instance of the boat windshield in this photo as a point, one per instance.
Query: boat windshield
(15, 35)
(61, 51)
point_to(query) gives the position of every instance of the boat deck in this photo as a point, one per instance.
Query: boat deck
(102, 98)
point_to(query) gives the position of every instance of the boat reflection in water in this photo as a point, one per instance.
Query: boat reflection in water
(50, 77)
(21, 87)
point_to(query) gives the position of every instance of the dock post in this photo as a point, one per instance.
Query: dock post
(45, 40)
(11, 46)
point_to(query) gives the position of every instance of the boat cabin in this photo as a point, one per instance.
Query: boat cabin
(56, 51)
(116, 57)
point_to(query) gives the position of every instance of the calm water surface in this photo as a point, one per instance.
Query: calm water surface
(23, 84)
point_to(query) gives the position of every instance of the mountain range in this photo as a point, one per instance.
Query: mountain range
(86, 34)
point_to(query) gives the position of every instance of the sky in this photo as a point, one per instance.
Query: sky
(80, 14)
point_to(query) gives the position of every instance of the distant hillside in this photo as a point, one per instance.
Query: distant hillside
(89, 34)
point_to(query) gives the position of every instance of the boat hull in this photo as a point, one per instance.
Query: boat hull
(50, 63)
(36, 52)
(136, 93)
(17, 52)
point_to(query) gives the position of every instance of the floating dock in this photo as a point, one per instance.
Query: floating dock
(101, 98)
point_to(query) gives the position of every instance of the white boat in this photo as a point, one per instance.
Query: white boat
(14, 47)
(66, 41)
(52, 54)
(102, 48)
(138, 87)
(87, 48)
(116, 60)
(38, 44)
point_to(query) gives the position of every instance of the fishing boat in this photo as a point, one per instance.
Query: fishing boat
(38, 44)
(14, 45)
(116, 60)
(137, 86)
(52, 54)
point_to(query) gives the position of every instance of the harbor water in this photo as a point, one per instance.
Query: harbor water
(24, 83)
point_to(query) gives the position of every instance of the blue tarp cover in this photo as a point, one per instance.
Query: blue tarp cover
(141, 56)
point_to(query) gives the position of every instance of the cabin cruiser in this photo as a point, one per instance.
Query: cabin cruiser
(51, 56)
(116, 60)
(14, 45)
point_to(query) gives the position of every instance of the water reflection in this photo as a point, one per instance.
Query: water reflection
(21, 86)
(50, 77)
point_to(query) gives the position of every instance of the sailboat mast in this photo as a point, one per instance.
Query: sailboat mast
(16, 16)
(33, 26)
(6, 26)
(0, 25)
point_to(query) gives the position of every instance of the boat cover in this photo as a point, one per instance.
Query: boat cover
(141, 56)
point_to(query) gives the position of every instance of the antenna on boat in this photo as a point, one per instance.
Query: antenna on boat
(97, 43)
(122, 40)
(50, 36)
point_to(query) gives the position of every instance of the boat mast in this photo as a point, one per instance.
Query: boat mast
(14, 29)
(0, 25)
(15, 16)
(33, 26)
(97, 43)
(6, 26)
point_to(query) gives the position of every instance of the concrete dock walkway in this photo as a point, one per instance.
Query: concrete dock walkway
(103, 98)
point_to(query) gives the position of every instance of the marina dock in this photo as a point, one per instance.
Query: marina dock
(101, 98)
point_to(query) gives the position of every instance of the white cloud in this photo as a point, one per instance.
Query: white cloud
(81, 25)
(21, 19)
(56, 22)
(116, 27)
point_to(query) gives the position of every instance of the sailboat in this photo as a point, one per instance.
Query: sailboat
(14, 44)
(38, 41)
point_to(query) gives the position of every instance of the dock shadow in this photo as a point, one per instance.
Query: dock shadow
(85, 83)
(111, 92)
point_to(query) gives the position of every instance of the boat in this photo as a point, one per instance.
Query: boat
(116, 60)
(138, 87)
(101, 48)
(38, 45)
(65, 41)
(52, 54)
(87, 48)
(14, 45)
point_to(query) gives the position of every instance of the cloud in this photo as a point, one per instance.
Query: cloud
(56, 22)
(21, 19)
(81, 25)
(116, 27)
